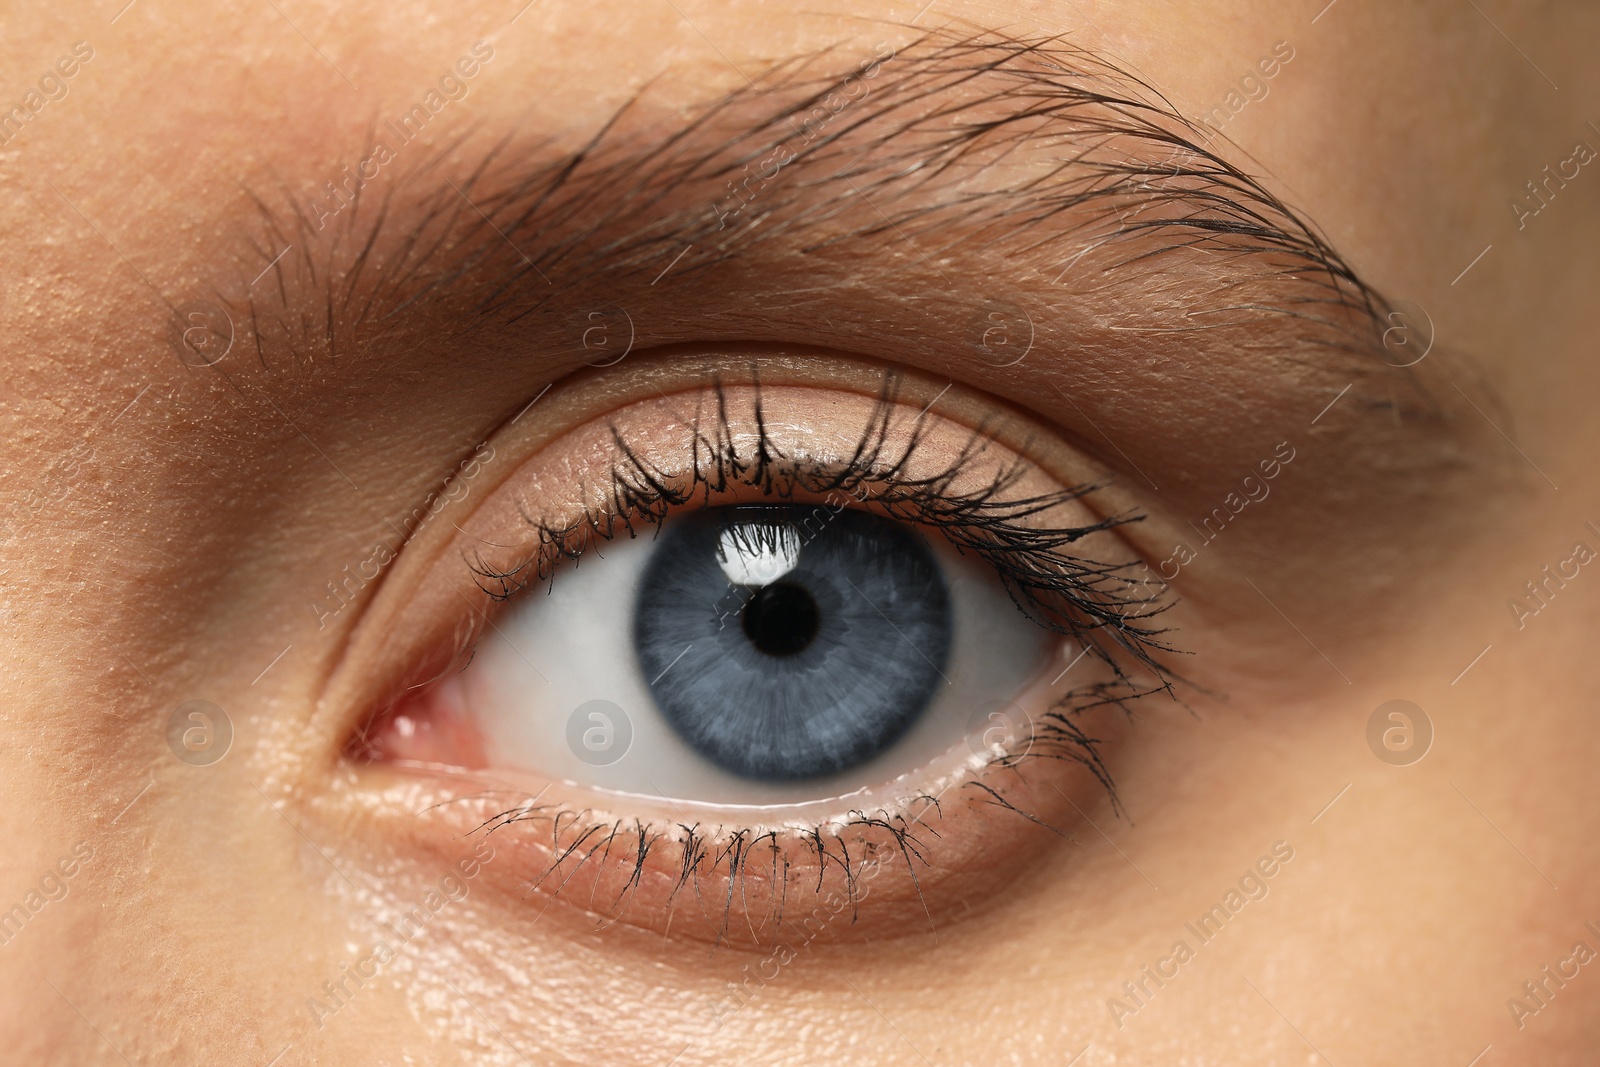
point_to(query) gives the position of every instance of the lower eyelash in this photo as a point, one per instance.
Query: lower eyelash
(738, 851)
(1099, 605)
(717, 867)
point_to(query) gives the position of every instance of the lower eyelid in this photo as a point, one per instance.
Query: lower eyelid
(732, 880)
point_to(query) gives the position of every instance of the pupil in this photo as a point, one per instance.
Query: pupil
(781, 619)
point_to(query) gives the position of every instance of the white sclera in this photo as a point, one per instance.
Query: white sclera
(555, 652)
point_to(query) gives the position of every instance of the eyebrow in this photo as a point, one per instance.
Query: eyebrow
(1035, 152)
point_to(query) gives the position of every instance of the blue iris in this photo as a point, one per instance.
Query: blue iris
(786, 643)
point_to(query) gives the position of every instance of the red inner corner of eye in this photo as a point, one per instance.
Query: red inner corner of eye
(427, 726)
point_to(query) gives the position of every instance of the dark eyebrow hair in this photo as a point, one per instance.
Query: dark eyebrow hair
(1105, 182)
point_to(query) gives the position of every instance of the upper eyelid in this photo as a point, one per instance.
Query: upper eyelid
(624, 204)
(1102, 598)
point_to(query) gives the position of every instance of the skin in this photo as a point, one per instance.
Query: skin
(165, 527)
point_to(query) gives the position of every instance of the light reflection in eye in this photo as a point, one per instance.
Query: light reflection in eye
(754, 553)
(759, 656)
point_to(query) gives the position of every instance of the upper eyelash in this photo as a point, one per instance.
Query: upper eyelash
(1064, 593)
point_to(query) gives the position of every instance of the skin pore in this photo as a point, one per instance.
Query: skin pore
(175, 517)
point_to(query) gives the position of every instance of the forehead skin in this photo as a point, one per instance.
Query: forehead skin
(1402, 132)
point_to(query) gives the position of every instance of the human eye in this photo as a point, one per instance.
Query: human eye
(765, 644)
